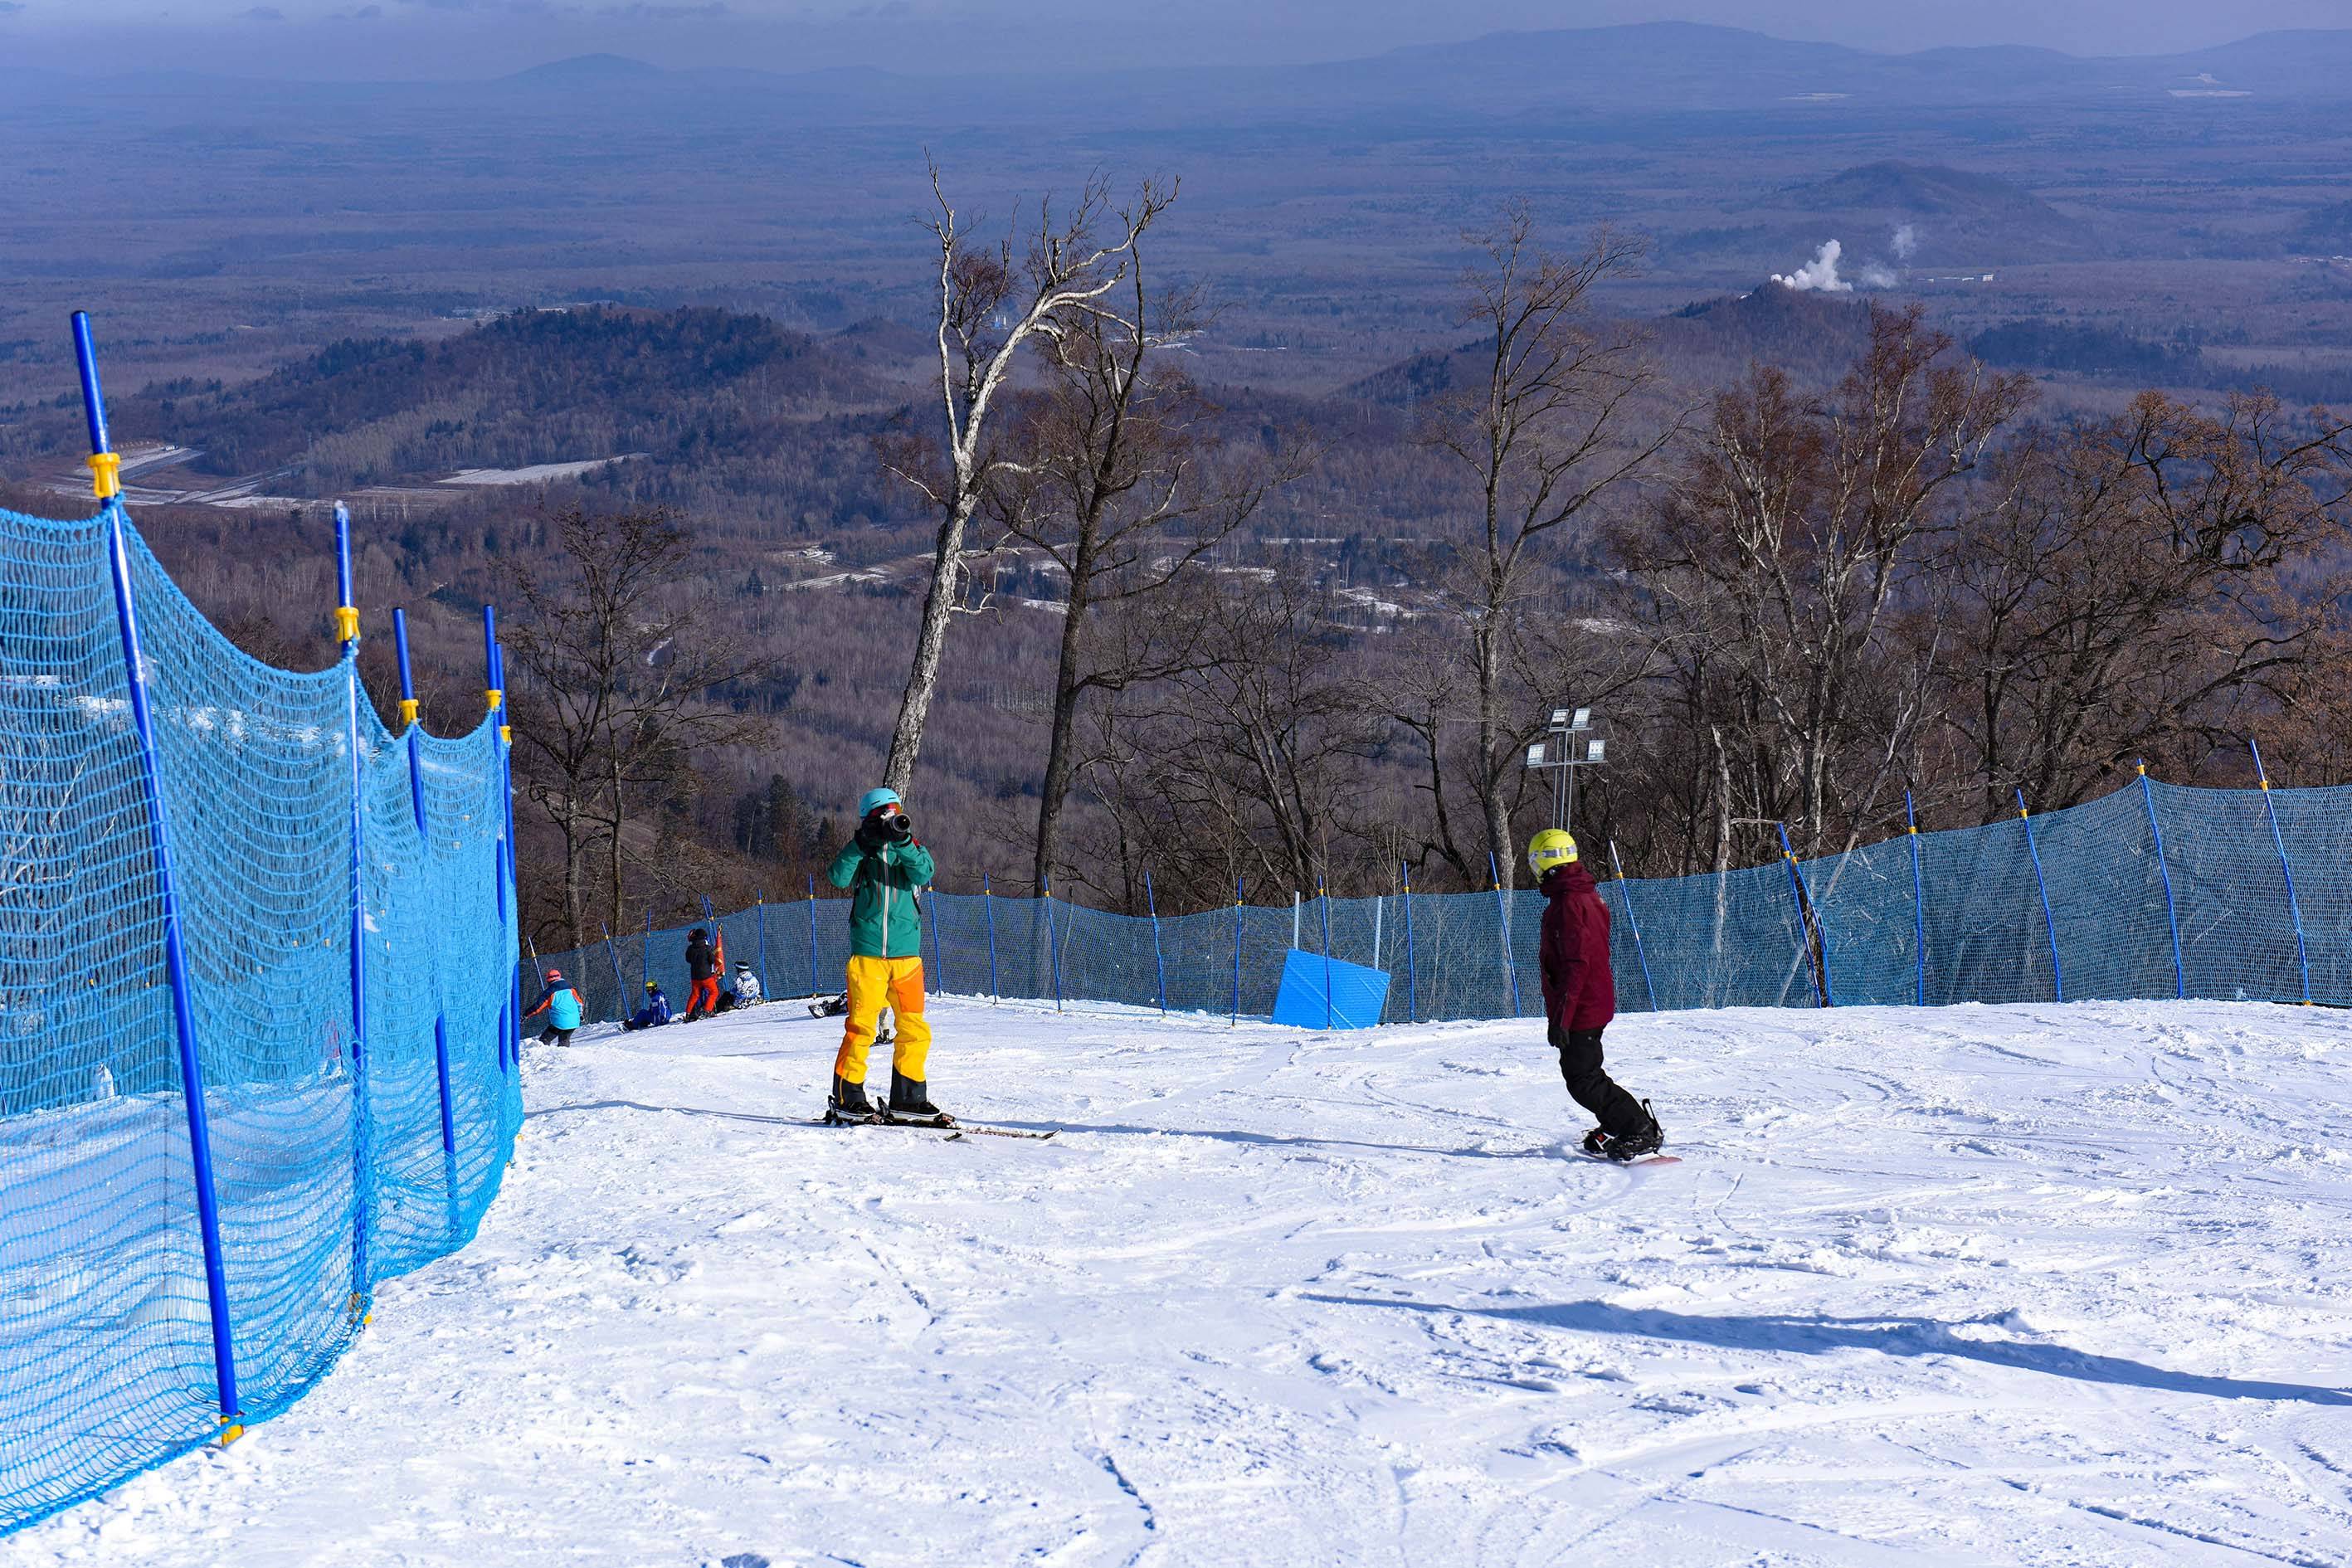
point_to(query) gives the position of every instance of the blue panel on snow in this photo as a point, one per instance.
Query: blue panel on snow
(1356, 994)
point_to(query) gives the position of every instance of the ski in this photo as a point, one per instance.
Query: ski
(944, 1122)
(954, 1130)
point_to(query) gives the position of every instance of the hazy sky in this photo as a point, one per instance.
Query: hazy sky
(485, 38)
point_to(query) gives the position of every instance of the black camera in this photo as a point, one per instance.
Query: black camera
(900, 830)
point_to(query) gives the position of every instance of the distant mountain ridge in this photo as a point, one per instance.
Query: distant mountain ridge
(1653, 66)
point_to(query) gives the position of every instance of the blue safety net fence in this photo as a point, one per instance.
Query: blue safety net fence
(344, 1145)
(2074, 905)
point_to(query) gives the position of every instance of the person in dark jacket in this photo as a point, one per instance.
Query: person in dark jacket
(565, 1007)
(1581, 998)
(702, 968)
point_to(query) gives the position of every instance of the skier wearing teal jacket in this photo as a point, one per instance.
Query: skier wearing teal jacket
(885, 870)
(565, 1007)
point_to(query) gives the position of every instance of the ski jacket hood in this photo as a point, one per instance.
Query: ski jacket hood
(1580, 990)
(884, 897)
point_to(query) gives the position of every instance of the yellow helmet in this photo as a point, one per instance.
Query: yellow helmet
(1551, 847)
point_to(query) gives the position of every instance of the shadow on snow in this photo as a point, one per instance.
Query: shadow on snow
(1549, 1151)
(1887, 1336)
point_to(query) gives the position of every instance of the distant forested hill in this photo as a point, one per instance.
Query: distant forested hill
(727, 409)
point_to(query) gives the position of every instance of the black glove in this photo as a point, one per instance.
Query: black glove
(872, 834)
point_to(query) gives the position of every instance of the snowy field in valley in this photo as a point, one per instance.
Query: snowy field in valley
(2026, 1285)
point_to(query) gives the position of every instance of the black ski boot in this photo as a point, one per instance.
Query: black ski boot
(1597, 1141)
(910, 1100)
(848, 1102)
(1635, 1145)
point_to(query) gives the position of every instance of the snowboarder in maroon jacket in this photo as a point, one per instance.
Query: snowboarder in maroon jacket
(1580, 997)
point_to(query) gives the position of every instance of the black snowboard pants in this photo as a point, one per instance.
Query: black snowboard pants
(1619, 1113)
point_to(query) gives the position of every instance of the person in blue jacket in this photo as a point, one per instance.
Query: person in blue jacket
(654, 1014)
(565, 1007)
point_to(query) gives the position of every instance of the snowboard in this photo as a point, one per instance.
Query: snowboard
(1644, 1160)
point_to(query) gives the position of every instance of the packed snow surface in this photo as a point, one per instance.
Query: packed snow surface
(2017, 1285)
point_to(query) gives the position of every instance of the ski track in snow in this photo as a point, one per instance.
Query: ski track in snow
(2012, 1285)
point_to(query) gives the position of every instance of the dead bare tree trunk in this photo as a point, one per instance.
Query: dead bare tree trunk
(1066, 269)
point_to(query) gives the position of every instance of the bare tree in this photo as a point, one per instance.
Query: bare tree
(2129, 583)
(619, 691)
(989, 309)
(1544, 432)
(1126, 485)
(1253, 752)
(1783, 548)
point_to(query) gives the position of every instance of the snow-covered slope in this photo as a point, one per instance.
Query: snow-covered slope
(1986, 1286)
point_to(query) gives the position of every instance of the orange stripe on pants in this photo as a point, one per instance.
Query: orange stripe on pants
(874, 983)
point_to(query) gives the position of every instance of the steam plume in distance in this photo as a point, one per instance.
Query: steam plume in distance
(1819, 274)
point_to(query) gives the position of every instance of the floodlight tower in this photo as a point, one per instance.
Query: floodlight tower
(1571, 743)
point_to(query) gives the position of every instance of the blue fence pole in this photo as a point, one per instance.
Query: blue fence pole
(620, 986)
(347, 635)
(448, 1114)
(494, 700)
(812, 907)
(1053, 948)
(1503, 919)
(718, 935)
(2057, 975)
(414, 732)
(937, 973)
(2294, 908)
(646, 950)
(1918, 901)
(759, 914)
(408, 725)
(1239, 888)
(105, 468)
(1323, 903)
(988, 903)
(2171, 914)
(1806, 926)
(758, 934)
(1625, 896)
(1412, 995)
(1159, 961)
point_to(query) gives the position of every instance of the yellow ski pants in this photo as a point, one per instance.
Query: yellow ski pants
(876, 984)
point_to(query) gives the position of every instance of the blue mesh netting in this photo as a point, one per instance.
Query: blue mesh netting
(329, 1166)
(1953, 916)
